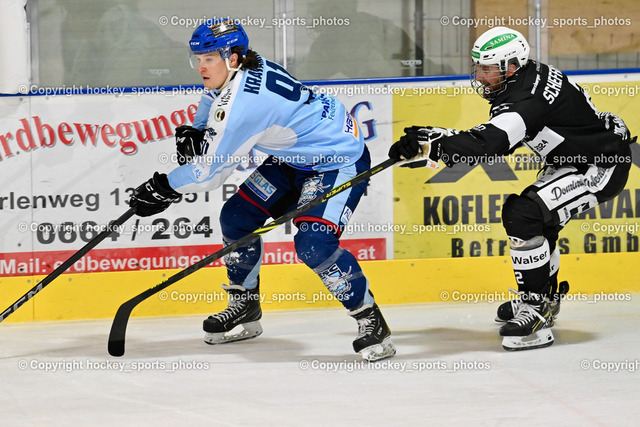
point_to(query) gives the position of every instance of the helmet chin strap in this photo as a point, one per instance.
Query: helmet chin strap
(232, 72)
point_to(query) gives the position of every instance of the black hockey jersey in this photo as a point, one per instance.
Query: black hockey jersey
(543, 110)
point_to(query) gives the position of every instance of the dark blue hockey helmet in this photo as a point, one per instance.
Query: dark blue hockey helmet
(219, 35)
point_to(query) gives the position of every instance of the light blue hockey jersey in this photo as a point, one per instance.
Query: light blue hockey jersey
(270, 111)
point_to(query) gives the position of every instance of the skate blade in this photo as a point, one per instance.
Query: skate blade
(249, 330)
(540, 339)
(380, 351)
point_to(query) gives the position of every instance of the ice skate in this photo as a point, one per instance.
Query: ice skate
(531, 325)
(243, 312)
(374, 337)
(506, 309)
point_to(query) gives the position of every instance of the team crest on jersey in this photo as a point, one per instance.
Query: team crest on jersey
(311, 188)
(337, 282)
(219, 115)
(350, 126)
(260, 186)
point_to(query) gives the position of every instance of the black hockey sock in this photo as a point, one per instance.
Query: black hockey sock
(531, 268)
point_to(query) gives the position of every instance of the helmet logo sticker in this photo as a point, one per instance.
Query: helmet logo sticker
(222, 28)
(498, 41)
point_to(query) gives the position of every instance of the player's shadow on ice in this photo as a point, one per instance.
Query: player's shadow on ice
(410, 344)
(434, 342)
(261, 349)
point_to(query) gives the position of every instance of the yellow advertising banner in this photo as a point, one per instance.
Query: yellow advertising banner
(456, 212)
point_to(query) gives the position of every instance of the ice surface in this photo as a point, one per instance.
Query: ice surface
(450, 370)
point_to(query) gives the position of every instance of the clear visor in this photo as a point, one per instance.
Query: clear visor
(209, 58)
(487, 80)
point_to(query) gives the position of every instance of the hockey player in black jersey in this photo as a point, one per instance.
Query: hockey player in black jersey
(586, 154)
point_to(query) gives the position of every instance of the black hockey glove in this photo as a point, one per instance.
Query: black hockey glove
(406, 148)
(420, 146)
(154, 196)
(188, 143)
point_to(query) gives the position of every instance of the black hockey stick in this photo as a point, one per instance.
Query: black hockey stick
(119, 326)
(68, 263)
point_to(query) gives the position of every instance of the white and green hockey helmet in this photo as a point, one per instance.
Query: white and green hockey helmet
(499, 46)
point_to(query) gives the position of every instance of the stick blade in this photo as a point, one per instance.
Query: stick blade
(121, 319)
(116, 348)
(119, 329)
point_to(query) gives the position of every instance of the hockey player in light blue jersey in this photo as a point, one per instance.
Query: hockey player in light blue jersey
(313, 144)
